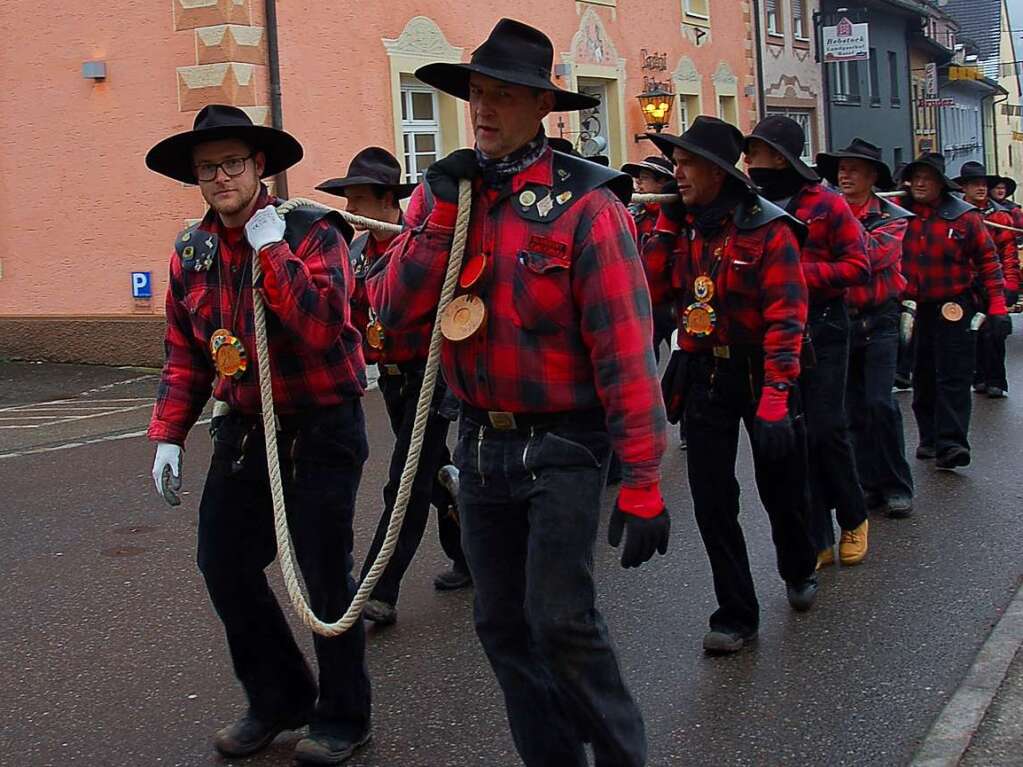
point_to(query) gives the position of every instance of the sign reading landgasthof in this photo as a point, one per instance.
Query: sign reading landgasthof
(845, 41)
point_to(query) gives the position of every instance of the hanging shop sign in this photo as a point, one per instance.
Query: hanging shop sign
(845, 41)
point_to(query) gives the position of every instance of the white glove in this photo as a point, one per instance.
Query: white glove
(266, 227)
(167, 472)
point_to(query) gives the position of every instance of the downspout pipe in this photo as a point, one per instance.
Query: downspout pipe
(274, 67)
(759, 54)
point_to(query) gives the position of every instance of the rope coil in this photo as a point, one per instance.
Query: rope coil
(283, 534)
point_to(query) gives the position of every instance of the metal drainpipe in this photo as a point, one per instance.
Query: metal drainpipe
(758, 42)
(994, 127)
(274, 65)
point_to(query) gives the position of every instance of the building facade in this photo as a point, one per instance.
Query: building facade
(791, 74)
(93, 223)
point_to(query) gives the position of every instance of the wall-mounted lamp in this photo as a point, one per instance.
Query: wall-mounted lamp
(94, 70)
(656, 106)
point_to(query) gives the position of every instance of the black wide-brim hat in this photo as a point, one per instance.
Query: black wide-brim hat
(709, 138)
(933, 160)
(785, 136)
(514, 53)
(975, 171)
(373, 166)
(827, 162)
(172, 157)
(659, 166)
(1010, 184)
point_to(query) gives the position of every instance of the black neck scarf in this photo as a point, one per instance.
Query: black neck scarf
(499, 171)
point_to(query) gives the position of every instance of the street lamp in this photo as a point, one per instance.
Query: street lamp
(656, 105)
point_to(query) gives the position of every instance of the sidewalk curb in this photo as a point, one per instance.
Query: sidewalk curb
(952, 731)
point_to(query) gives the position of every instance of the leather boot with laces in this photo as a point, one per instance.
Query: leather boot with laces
(852, 548)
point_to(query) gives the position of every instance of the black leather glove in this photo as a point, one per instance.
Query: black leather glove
(1000, 325)
(443, 176)
(675, 211)
(644, 536)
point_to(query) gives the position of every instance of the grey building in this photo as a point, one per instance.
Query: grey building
(873, 99)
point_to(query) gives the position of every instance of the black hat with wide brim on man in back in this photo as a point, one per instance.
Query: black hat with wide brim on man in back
(858, 149)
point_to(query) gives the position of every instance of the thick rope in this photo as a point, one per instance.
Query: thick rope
(284, 550)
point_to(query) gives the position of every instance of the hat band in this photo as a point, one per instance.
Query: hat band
(499, 62)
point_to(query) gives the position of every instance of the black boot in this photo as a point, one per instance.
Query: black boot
(251, 734)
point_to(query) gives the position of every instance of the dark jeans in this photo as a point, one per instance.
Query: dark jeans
(874, 414)
(401, 393)
(321, 462)
(722, 394)
(990, 367)
(530, 508)
(834, 483)
(945, 353)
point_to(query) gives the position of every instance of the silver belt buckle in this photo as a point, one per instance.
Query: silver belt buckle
(502, 420)
(722, 352)
(392, 370)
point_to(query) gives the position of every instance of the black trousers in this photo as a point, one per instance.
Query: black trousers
(321, 462)
(834, 482)
(990, 367)
(721, 395)
(945, 356)
(874, 414)
(401, 394)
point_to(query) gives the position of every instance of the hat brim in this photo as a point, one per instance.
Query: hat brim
(827, 166)
(908, 171)
(801, 167)
(634, 168)
(453, 79)
(172, 157)
(338, 186)
(1010, 184)
(666, 143)
(989, 179)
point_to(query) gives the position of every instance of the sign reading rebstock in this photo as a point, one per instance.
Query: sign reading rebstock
(845, 42)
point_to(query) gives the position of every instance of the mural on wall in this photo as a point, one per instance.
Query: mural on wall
(590, 45)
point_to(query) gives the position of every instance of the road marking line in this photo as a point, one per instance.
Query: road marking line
(27, 406)
(83, 443)
(73, 418)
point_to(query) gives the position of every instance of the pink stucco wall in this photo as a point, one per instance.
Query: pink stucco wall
(80, 209)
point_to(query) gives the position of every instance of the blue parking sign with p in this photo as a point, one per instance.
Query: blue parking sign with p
(141, 284)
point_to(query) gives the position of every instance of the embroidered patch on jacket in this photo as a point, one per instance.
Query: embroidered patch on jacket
(550, 248)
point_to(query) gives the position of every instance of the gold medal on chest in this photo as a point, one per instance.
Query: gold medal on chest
(229, 355)
(952, 311)
(462, 318)
(699, 319)
(703, 288)
(375, 335)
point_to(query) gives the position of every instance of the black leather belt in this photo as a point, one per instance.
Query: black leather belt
(503, 420)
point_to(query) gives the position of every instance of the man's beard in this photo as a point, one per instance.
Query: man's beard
(236, 204)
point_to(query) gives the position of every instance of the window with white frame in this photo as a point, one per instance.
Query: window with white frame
(420, 127)
(689, 108)
(698, 8)
(771, 9)
(845, 82)
(727, 109)
(805, 119)
(798, 20)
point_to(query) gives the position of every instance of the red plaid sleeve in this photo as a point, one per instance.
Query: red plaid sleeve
(610, 289)
(1017, 221)
(979, 246)
(658, 257)
(307, 290)
(1005, 244)
(783, 304)
(835, 249)
(884, 249)
(187, 378)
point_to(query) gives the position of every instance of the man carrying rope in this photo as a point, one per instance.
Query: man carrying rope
(547, 346)
(373, 188)
(947, 248)
(318, 377)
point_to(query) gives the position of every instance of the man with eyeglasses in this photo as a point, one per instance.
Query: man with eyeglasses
(318, 376)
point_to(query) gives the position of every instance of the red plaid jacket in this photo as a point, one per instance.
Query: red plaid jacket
(645, 218)
(760, 296)
(569, 319)
(1005, 244)
(314, 348)
(397, 347)
(835, 248)
(884, 248)
(941, 258)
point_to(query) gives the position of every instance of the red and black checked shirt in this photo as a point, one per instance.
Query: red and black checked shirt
(645, 217)
(941, 258)
(760, 296)
(1005, 244)
(835, 248)
(884, 249)
(394, 350)
(569, 318)
(314, 348)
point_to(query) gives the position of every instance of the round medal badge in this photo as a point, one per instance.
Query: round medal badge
(699, 320)
(375, 335)
(952, 311)
(472, 271)
(462, 318)
(231, 359)
(703, 288)
(217, 339)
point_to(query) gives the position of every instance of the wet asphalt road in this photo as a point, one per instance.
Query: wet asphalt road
(111, 655)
